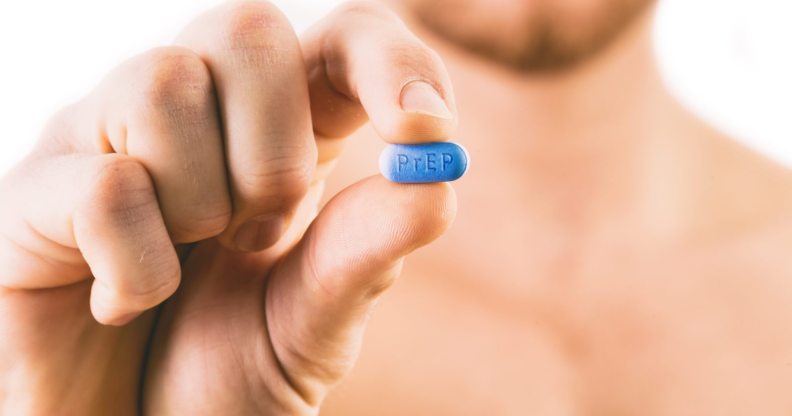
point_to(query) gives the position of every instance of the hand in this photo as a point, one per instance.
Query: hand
(215, 151)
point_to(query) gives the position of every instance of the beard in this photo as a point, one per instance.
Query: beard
(530, 35)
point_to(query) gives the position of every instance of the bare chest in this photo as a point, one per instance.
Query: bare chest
(704, 335)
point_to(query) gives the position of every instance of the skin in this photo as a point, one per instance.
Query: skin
(614, 254)
(193, 173)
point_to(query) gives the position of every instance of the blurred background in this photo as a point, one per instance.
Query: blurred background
(728, 60)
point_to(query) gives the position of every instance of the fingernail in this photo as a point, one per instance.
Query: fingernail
(259, 233)
(420, 97)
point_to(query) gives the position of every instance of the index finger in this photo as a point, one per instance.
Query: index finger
(364, 63)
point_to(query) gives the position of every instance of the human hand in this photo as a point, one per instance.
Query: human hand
(216, 149)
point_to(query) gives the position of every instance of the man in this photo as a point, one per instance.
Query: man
(611, 255)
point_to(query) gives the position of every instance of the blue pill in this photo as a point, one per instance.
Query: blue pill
(423, 163)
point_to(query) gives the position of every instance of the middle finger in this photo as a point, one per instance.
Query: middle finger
(258, 71)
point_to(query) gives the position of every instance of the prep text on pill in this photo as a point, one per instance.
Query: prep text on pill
(432, 161)
(423, 162)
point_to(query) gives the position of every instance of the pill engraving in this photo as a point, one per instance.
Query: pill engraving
(423, 163)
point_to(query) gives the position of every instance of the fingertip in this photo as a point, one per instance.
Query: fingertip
(414, 128)
(368, 55)
(117, 306)
(106, 306)
(429, 209)
(419, 113)
(384, 221)
(117, 320)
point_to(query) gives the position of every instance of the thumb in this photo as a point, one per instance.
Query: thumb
(319, 298)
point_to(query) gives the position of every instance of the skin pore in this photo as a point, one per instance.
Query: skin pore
(612, 253)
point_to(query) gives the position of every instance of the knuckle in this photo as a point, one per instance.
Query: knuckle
(308, 360)
(121, 188)
(397, 47)
(413, 57)
(202, 224)
(176, 81)
(284, 177)
(254, 25)
(377, 286)
(360, 279)
(410, 55)
(431, 57)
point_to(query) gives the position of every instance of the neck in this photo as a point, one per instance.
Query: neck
(584, 147)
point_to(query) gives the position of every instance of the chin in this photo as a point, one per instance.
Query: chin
(530, 35)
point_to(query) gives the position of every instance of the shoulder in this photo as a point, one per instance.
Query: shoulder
(750, 191)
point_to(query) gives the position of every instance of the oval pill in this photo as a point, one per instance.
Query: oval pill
(424, 162)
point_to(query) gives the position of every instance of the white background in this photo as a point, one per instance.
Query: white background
(729, 60)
